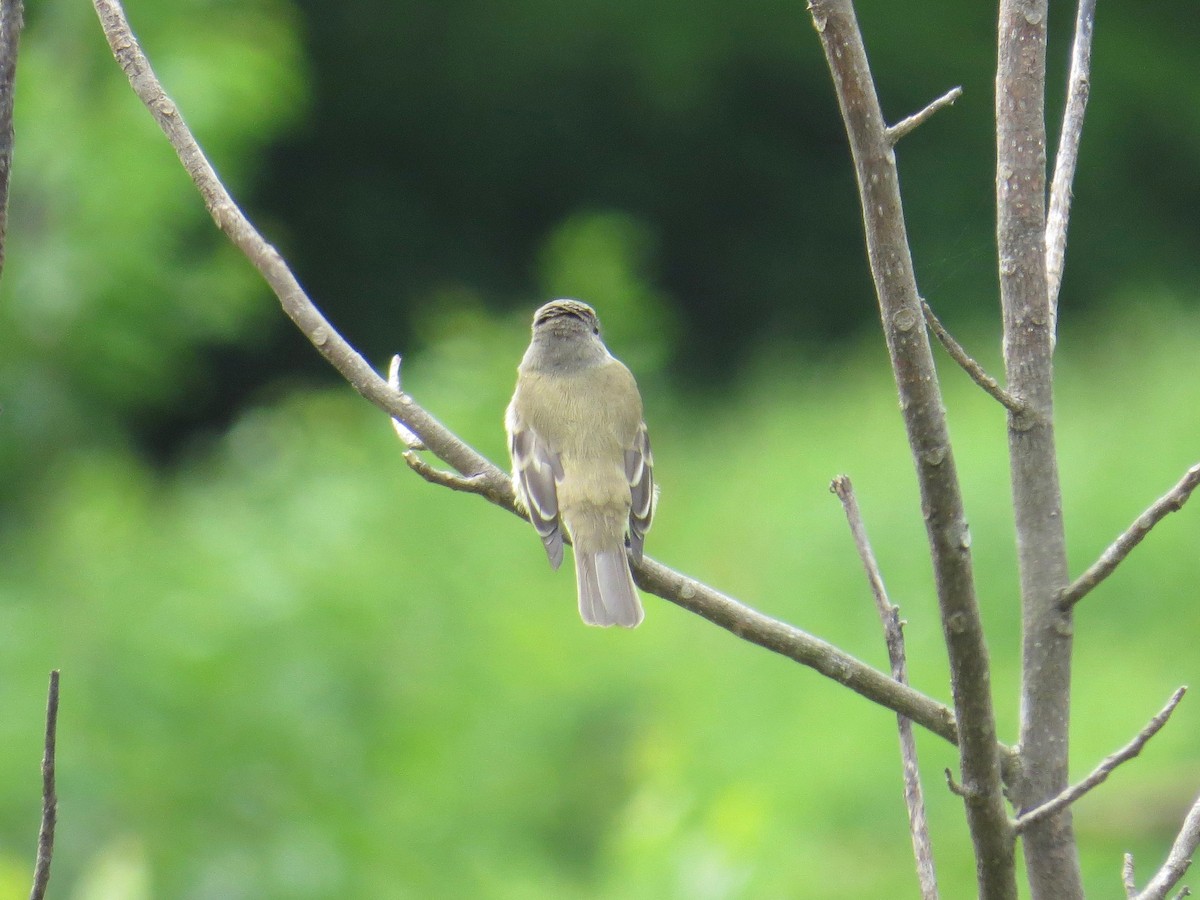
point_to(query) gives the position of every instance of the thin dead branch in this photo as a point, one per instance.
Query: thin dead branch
(893, 631)
(1079, 86)
(906, 126)
(1171, 501)
(45, 848)
(1178, 860)
(989, 384)
(485, 478)
(471, 484)
(1102, 771)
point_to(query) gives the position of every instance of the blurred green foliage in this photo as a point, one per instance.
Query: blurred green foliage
(291, 669)
(115, 279)
(451, 140)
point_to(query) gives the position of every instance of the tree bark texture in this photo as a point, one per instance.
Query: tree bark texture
(1050, 852)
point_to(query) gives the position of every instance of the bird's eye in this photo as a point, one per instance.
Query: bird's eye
(596, 329)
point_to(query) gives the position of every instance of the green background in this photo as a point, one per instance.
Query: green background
(293, 669)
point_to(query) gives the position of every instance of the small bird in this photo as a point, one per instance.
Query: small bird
(581, 458)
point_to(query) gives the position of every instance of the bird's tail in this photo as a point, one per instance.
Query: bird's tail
(607, 595)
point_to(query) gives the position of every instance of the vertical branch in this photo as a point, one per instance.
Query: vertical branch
(45, 850)
(893, 633)
(929, 440)
(1051, 855)
(1079, 86)
(12, 19)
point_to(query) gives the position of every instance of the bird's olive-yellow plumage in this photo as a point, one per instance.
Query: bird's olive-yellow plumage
(581, 457)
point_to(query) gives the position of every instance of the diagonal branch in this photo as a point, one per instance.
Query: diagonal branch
(1171, 501)
(893, 633)
(1102, 771)
(990, 385)
(910, 124)
(266, 259)
(45, 850)
(929, 440)
(1178, 861)
(486, 479)
(1068, 153)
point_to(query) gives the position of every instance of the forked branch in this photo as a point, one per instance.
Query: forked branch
(479, 475)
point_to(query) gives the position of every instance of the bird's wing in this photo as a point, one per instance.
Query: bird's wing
(639, 469)
(537, 470)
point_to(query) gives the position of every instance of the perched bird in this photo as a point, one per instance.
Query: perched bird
(581, 457)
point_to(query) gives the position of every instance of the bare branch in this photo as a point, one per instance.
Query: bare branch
(1102, 771)
(483, 477)
(889, 616)
(929, 440)
(1171, 501)
(12, 20)
(45, 849)
(1127, 877)
(789, 641)
(266, 259)
(906, 126)
(969, 365)
(1178, 859)
(1068, 153)
(470, 484)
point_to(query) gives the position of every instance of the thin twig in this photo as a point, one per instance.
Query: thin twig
(1178, 859)
(45, 849)
(1171, 501)
(953, 786)
(969, 365)
(12, 19)
(1127, 877)
(1068, 153)
(492, 483)
(469, 484)
(1102, 771)
(889, 616)
(905, 126)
